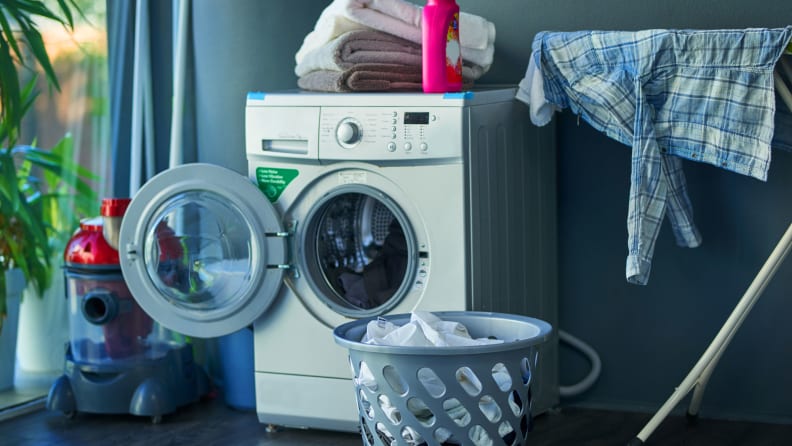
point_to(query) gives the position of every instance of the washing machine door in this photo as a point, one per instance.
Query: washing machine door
(202, 250)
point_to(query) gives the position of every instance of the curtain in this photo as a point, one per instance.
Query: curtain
(152, 120)
(231, 48)
(78, 111)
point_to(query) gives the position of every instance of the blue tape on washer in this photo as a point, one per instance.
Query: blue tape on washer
(256, 95)
(460, 95)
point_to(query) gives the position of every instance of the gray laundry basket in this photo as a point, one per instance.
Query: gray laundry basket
(478, 395)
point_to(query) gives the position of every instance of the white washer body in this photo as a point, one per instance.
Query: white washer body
(356, 205)
(412, 149)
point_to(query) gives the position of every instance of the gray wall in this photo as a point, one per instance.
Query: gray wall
(242, 46)
(648, 337)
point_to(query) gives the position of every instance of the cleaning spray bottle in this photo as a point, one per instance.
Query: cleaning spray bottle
(442, 53)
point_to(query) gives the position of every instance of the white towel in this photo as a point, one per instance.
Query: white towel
(424, 329)
(531, 92)
(402, 19)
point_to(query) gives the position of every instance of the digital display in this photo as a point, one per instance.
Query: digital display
(416, 118)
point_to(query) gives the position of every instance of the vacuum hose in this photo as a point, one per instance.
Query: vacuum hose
(100, 307)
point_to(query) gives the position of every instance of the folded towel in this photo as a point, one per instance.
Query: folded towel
(364, 77)
(360, 46)
(372, 47)
(402, 19)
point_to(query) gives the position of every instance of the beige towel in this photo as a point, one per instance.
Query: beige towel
(364, 77)
(361, 46)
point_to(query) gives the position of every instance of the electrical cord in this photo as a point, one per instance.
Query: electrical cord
(593, 357)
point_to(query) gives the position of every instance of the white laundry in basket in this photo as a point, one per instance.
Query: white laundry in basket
(426, 330)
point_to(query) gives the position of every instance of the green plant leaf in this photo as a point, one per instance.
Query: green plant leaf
(8, 33)
(38, 188)
(23, 13)
(64, 172)
(10, 189)
(66, 10)
(36, 45)
(26, 9)
(9, 93)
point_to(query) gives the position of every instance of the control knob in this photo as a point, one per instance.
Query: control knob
(348, 132)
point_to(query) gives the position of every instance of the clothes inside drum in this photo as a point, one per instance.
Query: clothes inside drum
(362, 250)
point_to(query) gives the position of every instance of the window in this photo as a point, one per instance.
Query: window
(80, 110)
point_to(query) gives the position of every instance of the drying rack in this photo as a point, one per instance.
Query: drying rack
(699, 375)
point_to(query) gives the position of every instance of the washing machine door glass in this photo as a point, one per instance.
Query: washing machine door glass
(360, 251)
(202, 250)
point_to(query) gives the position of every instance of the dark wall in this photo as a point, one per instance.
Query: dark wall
(648, 337)
(242, 46)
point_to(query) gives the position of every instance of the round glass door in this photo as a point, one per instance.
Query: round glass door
(360, 252)
(202, 251)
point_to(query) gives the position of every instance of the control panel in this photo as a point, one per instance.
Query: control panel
(390, 133)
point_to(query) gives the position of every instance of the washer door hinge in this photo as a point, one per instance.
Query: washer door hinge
(290, 228)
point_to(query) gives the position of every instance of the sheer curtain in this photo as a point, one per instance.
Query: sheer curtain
(79, 112)
(94, 107)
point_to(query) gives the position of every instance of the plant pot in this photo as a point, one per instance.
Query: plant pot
(15, 285)
(43, 328)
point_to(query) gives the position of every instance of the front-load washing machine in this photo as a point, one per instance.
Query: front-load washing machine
(355, 205)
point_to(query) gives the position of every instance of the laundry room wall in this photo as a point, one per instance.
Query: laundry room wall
(243, 46)
(649, 336)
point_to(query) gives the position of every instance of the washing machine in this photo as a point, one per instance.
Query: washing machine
(355, 205)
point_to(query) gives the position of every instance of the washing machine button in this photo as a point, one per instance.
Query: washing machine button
(391, 147)
(407, 147)
(424, 147)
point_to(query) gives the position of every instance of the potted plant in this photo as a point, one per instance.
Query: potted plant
(34, 182)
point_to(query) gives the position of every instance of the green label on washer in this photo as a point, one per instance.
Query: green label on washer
(273, 181)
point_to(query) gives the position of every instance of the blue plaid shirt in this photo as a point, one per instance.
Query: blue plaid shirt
(705, 96)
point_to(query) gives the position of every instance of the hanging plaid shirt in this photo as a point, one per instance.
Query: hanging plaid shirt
(706, 96)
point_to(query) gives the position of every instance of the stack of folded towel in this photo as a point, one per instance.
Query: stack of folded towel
(375, 45)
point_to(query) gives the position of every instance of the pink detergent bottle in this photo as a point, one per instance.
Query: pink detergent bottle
(442, 53)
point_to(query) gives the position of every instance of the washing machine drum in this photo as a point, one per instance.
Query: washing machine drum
(361, 254)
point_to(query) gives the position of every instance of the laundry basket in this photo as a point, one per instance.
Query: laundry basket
(478, 395)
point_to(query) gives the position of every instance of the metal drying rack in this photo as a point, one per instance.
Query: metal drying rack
(699, 375)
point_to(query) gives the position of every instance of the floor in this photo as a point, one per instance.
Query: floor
(211, 422)
(26, 394)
